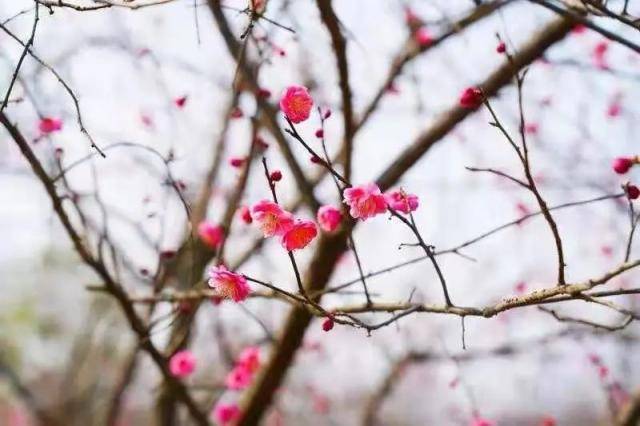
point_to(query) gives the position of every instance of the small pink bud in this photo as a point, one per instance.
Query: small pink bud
(471, 98)
(327, 113)
(316, 160)
(167, 254)
(261, 143)
(275, 176)
(501, 48)
(621, 165)
(423, 37)
(319, 133)
(245, 215)
(237, 162)
(181, 101)
(632, 192)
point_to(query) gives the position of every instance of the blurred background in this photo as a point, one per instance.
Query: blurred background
(161, 77)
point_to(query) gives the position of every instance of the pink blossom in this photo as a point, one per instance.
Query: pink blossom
(614, 109)
(548, 421)
(365, 201)
(329, 218)
(182, 363)
(296, 103)
(299, 235)
(471, 98)
(423, 37)
(271, 218)
(250, 358)
(49, 125)
(210, 234)
(479, 421)
(225, 414)
(401, 201)
(229, 285)
(238, 378)
(599, 54)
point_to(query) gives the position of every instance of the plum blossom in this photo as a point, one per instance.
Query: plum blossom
(225, 414)
(271, 218)
(401, 201)
(250, 358)
(365, 201)
(49, 125)
(299, 235)
(329, 218)
(210, 234)
(229, 285)
(182, 363)
(238, 378)
(296, 103)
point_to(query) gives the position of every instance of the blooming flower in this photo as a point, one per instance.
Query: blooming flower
(210, 234)
(229, 285)
(296, 103)
(621, 165)
(238, 378)
(423, 37)
(471, 98)
(299, 235)
(329, 218)
(365, 201)
(182, 363)
(49, 125)
(250, 358)
(271, 218)
(402, 202)
(224, 414)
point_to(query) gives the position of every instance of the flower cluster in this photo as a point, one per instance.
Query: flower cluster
(242, 374)
(273, 220)
(366, 201)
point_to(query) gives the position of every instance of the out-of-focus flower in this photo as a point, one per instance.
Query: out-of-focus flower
(226, 414)
(49, 125)
(210, 234)
(329, 218)
(182, 363)
(471, 98)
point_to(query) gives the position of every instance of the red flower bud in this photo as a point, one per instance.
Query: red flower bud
(633, 192)
(319, 133)
(275, 176)
(621, 165)
(501, 48)
(327, 324)
(471, 98)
